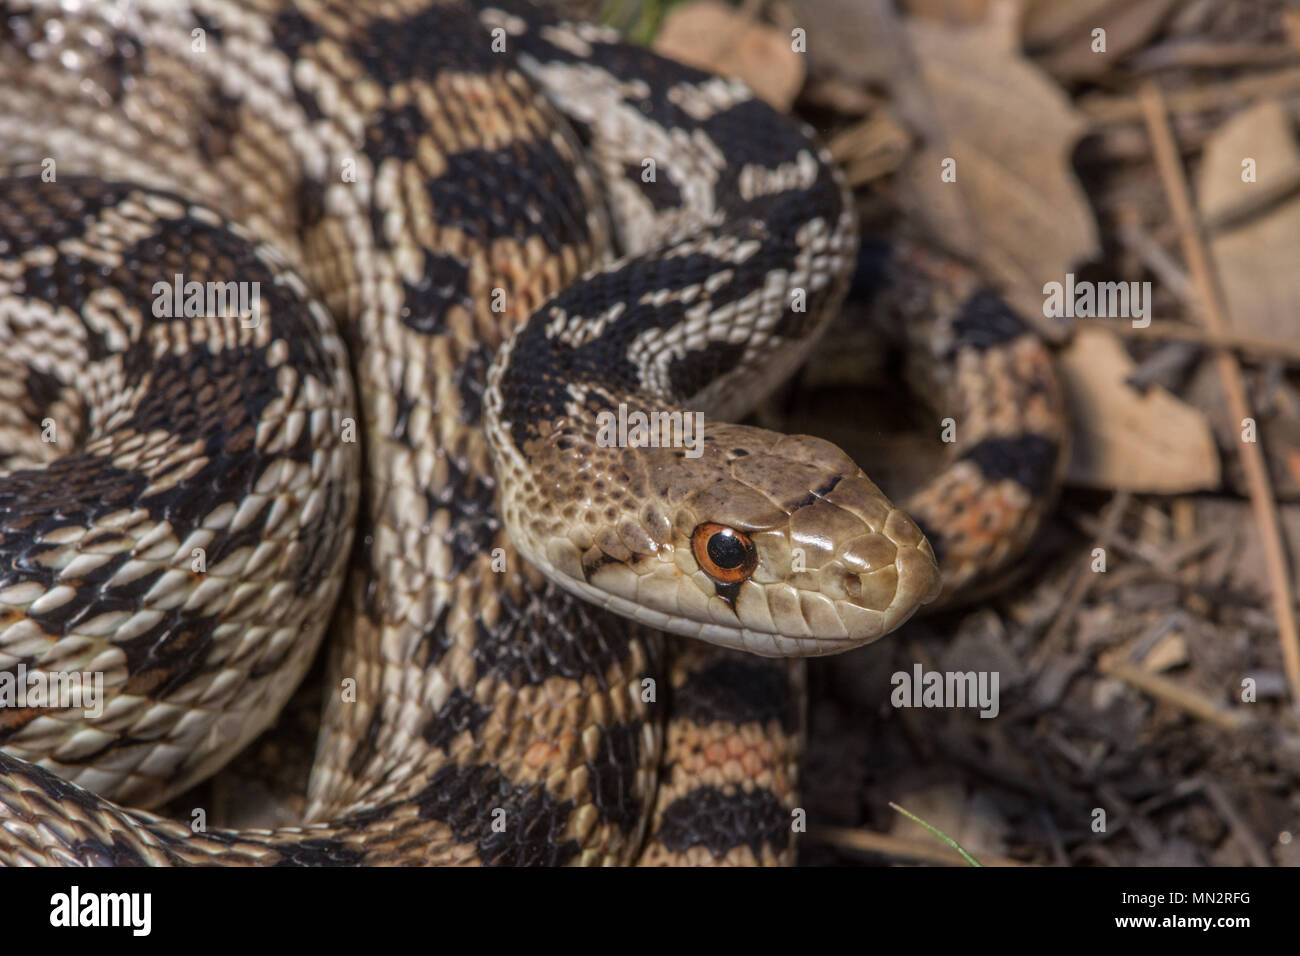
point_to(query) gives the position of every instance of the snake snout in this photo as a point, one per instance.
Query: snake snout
(879, 599)
(868, 559)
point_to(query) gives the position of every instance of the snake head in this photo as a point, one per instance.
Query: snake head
(774, 544)
(800, 546)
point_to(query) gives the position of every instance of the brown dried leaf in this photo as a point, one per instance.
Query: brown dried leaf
(839, 96)
(871, 148)
(855, 40)
(1241, 566)
(1254, 245)
(948, 11)
(1059, 32)
(1016, 205)
(1291, 26)
(712, 36)
(1142, 441)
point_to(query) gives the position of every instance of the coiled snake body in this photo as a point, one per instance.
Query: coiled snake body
(521, 227)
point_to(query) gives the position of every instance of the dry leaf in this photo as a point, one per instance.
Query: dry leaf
(1278, 432)
(1241, 565)
(1143, 441)
(1059, 32)
(1255, 247)
(871, 148)
(948, 11)
(1016, 205)
(1291, 26)
(840, 96)
(857, 40)
(714, 37)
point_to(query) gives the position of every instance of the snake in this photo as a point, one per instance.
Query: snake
(322, 322)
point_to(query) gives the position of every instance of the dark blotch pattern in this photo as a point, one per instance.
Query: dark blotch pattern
(871, 276)
(209, 27)
(458, 714)
(738, 689)
(466, 798)
(535, 387)
(721, 821)
(395, 132)
(470, 379)
(445, 283)
(550, 633)
(291, 32)
(368, 743)
(62, 213)
(613, 775)
(523, 190)
(320, 852)
(470, 498)
(1029, 460)
(986, 321)
(422, 46)
(662, 193)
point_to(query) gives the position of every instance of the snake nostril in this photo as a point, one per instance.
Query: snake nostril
(872, 589)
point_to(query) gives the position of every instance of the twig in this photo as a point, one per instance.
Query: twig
(1185, 53)
(1166, 364)
(1245, 836)
(1187, 787)
(1172, 693)
(1124, 109)
(1183, 514)
(1144, 833)
(1153, 255)
(1213, 311)
(1082, 580)
(1254, 345)
(1164, 559)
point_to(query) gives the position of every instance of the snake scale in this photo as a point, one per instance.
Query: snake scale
(476, 231)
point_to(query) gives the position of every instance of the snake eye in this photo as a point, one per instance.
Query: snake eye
(723, 553)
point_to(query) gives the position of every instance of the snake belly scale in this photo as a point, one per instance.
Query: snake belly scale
(461, 267)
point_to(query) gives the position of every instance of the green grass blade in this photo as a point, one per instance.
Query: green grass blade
(939, 833)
